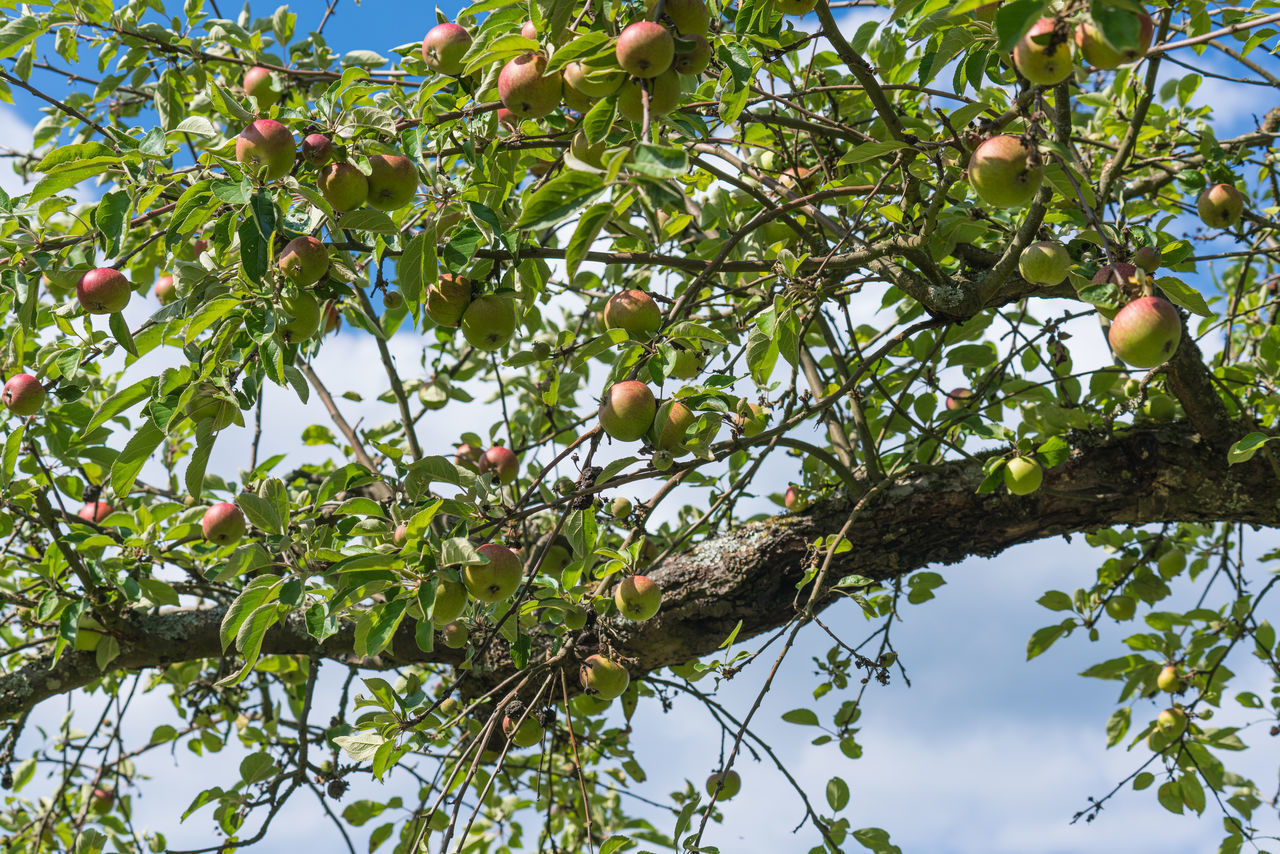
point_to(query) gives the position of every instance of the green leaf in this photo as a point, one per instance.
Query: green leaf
(1044, 638)
(120, 401)
(263, 589)
(1055, 600)
(261, 513)
(1243, 450)
(613, 844)
(120, 331)
(134, 455)
(1117, 726)
(1013, 19)
(249, 639)
(804, 717)
(18, 33)
(558, 198)
(837, 793)
(659, 161)
(376, 626)
(1192, 792)
(585, 234)
(1180, 293)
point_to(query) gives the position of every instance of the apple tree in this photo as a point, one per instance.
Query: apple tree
(965, 274)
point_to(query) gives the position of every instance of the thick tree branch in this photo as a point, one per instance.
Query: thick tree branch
(1145, 475)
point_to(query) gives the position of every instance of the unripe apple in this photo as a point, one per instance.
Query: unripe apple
(1171, 563)
(591, 81)
(1043, 55)
(454, 634)
(317, 149)
(690, 16)
(687, 363)
(210, 403)
(489, 322)
(645, 49)
(451, 601)
(751, 420)
(586, 704)
(620, 507)
(164, 290)
(103, 800)
(794, 500)
(574, 618)
(497, 579)
(637, 598)
(583, 150)
(559, 555)
(23, 395)
(1006, 171)
(1121, 608)
(443, 48)
(1220, 206)
(393, 181)
(795, 7)
(392, 299)
(1148, 258)
(527, 734)
(1100, 54)
(468, 456)
(603, 678)
(635, 311)
(1160, 407)
(499, 462)
(728, 784)
(304, 316)
(671, 423)
(1172, 722)
(447, 299)
(1023, 475)
(103, 291)
(400, 535)
(259, 86)
(627, 410)
(526, 89)
(693, 54)
(664, 96)
(223, 523)
(304, 260)
(958, 398)
(1044, 262)
(1170, 681)
(1146, 332)
(95, 511)
(343, 186)
(266, 149)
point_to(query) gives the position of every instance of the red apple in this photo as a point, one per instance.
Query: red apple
(304, 260)
(645, 49)
(1146, 332)
(1044, 53)
(259, 86)
(627, 410)
(23, 395)
(164, 290)
(317, 149)
(444, 47)
(103, 291)
(690, 16)
(223, 523)
(95, 511)
(751, 420)
(500, 462)
(958, 398)
(468, 456)
(1006, 171)
(794, 500)
(635, 311)
(526, 89)
(266, 149)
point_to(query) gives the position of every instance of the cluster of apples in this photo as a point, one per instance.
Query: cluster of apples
(646, 61)
(1044, 55)
(487, 321)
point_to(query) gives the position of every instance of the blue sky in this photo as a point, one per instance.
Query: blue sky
(986, 752)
